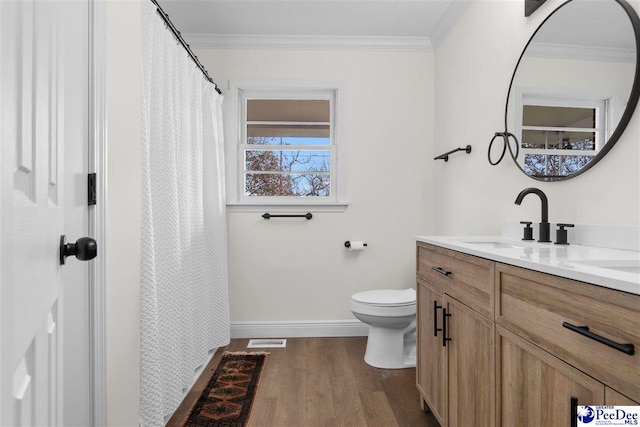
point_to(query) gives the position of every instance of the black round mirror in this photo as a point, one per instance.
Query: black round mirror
(574, 88)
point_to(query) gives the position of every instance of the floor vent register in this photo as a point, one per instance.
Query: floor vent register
(267, 343)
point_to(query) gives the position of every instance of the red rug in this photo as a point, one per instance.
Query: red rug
(228, 398)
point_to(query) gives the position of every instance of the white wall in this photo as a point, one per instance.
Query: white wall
(298, 270)
(473, 67)
(122, 287)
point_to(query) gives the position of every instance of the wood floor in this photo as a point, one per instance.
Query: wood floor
(323, 382)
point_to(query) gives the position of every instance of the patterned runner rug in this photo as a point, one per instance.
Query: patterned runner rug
(228, 398)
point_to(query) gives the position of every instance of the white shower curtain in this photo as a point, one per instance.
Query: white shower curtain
(184, 312)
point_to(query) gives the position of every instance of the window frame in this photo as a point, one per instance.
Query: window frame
(236, 143)
(601, 102)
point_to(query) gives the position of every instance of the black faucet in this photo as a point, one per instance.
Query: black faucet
(544, 228)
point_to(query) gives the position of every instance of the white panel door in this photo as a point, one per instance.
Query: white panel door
(43, 158)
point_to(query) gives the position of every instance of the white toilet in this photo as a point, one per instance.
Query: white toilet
(391, 316)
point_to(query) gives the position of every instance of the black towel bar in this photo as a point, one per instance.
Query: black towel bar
(308, 215)
(445, 156)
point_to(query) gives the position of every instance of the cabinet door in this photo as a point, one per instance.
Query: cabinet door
(535, 388)
(430, 372)
(613, 398)
(470, 363)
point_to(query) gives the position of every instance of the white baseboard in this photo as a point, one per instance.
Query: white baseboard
(299, 329)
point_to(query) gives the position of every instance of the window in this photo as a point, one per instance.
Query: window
(558, 136)
(287, 148)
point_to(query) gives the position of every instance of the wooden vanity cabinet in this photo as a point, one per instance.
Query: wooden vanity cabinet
(456, 352)
(511, 359)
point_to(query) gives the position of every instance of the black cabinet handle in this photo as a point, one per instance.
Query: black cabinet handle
(574, 411)
(584, 330)
(441, 271)
(444, 327)
(435, 318)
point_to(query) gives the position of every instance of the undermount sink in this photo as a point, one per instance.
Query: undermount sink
(496, 244)
(627, 266)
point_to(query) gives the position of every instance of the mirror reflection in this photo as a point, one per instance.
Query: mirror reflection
(571, 88)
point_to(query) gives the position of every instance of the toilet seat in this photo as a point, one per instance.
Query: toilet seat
(386, 298)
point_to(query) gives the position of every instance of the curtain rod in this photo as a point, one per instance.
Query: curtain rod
(184, 44)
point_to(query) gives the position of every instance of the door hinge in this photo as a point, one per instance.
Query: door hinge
(91, 189)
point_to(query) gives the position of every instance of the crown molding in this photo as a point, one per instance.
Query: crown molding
(449, 20)
(586, 53)
(250, 41)
(341, 42)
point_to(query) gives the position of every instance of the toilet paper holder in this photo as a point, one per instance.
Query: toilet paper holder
(347, 244)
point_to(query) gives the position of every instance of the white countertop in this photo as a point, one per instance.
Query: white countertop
(612, 268)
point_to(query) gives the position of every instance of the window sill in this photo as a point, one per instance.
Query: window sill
(289, 208)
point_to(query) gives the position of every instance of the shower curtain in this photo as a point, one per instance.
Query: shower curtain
(184, 313)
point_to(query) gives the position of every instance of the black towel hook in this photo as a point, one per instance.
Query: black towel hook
(445, 156)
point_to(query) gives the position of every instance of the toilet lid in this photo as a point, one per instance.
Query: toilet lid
(387, 297)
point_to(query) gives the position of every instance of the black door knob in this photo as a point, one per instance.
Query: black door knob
(84, 249)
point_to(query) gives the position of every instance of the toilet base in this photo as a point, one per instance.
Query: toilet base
(391, 348)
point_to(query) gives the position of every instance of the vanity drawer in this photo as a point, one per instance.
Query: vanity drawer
(536, 305)
(469, 278)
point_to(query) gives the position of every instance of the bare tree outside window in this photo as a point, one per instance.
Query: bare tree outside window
(278, 170)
